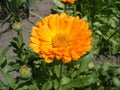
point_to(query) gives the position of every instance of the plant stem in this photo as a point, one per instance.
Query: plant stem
(61, 75)
(65, 10)
(35, 15)
(61, 70)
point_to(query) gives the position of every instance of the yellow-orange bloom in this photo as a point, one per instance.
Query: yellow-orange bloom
(69, 1)
(64, 37)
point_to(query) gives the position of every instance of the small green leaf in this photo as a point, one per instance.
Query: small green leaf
(33, 87)
(65, 80)
(3, 54)
(2, 59)
(99, 32)
(56, 84)
(116, 81)
(57, 70)
(30, 3)
(75, 73)
(18, 3)
(2, 86)
(84, 61)
(23, 88)
(47, 85)
(58, 3)
(10, 80)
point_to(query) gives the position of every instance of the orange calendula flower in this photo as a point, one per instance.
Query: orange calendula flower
(64, 37)
(69, 1)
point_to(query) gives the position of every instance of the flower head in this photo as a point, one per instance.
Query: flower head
(64, 37)
(25, 72)
(69, 1)
(17, 26)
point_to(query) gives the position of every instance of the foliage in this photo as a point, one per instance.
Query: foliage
(76, 75)
(15, 10)
(104, 19)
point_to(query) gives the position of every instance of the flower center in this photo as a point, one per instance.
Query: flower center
(59, 40)
(24, 69)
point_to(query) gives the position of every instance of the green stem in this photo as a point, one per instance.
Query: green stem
(65, 8)
(20, 37)
(61, 70)
(20, 42)
(61, 74)
(74, 10)
(35, 15)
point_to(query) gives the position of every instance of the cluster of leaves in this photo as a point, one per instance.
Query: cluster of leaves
(78, 75)
(103, 17)
(23, 56)
(15, 10)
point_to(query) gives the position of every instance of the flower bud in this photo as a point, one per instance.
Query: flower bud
(25, 72)
(17, 26)
(91, 65)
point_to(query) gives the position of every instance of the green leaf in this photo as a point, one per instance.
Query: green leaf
(18, 2)
(75, 73)
(57, 9)
(99, 32)
(6, 19)
(30, 3)
(56, 84)
(2, 86)
(33, 87)
(23, 88)
(10, 80)
(3, 54)
(84, 61)
(2, 59)
(58, 3)
(81, 81)
(47, 85)
(116, 81)
(65, 80)
(57, 70)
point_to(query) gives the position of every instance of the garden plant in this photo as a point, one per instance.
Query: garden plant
(64, 46)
